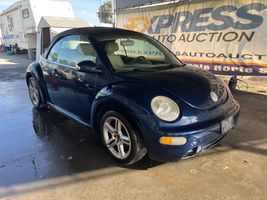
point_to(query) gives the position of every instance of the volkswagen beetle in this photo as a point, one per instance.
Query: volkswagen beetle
(134, 93)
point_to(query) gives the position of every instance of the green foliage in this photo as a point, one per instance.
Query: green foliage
(105, 12)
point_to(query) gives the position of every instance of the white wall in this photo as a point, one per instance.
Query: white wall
(50, 8)
(31, 37)
(16, 33)
(23, 28)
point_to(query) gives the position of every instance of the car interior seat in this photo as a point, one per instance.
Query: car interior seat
(86, 51)
(116, 60)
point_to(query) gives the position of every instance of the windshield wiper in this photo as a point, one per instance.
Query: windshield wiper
(135, 70)
(176, 65)
(144, 69)
(170, 66)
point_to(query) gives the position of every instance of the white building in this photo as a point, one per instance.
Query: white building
(49, 27)
(20, 20)
(1, 38)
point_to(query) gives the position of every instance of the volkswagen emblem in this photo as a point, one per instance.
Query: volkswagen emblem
(214, 96)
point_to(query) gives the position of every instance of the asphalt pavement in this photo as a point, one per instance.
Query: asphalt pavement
(44, 155)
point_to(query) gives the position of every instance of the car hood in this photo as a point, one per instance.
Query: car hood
(190, 84)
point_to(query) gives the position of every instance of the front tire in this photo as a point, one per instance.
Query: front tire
(121, 139)
(34, 93)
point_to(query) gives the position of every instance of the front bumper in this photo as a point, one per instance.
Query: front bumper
(198, 140)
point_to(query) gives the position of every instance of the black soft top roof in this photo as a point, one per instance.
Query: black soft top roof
(91, 32)
(96, 31)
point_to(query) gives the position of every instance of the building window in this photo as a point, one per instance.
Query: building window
(10, 23)
(25, 13)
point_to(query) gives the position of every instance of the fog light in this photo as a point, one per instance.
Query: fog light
(173, 140)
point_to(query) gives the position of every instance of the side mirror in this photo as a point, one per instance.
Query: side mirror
(87, 66)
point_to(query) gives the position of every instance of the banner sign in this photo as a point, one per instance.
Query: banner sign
(225, 37)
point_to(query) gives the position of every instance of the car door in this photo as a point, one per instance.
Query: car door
(87, 84)
(47, 65)
(76, 90)
(65, 73)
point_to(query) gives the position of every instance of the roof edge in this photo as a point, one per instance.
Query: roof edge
(10, 9)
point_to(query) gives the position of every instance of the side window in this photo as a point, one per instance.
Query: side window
(74, 49)
(25, 13)
(53, 54)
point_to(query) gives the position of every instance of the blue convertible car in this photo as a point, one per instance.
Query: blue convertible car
(134, 93)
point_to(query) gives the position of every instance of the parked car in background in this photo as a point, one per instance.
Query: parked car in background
(134, 92)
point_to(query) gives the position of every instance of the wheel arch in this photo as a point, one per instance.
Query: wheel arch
(110, 105)
(131, 99)
(35, 70)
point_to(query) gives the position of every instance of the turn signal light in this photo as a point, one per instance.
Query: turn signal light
(173, 140)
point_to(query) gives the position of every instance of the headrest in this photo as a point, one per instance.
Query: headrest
(111, 47)
(85, 48)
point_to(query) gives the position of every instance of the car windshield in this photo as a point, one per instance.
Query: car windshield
(136, 52)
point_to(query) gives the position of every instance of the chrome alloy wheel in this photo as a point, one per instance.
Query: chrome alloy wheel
(117, 138)
(34, 92)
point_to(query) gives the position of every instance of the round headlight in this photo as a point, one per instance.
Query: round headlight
(165, 108)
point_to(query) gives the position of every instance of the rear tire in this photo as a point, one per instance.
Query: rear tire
(34, 93)
(121, 139)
